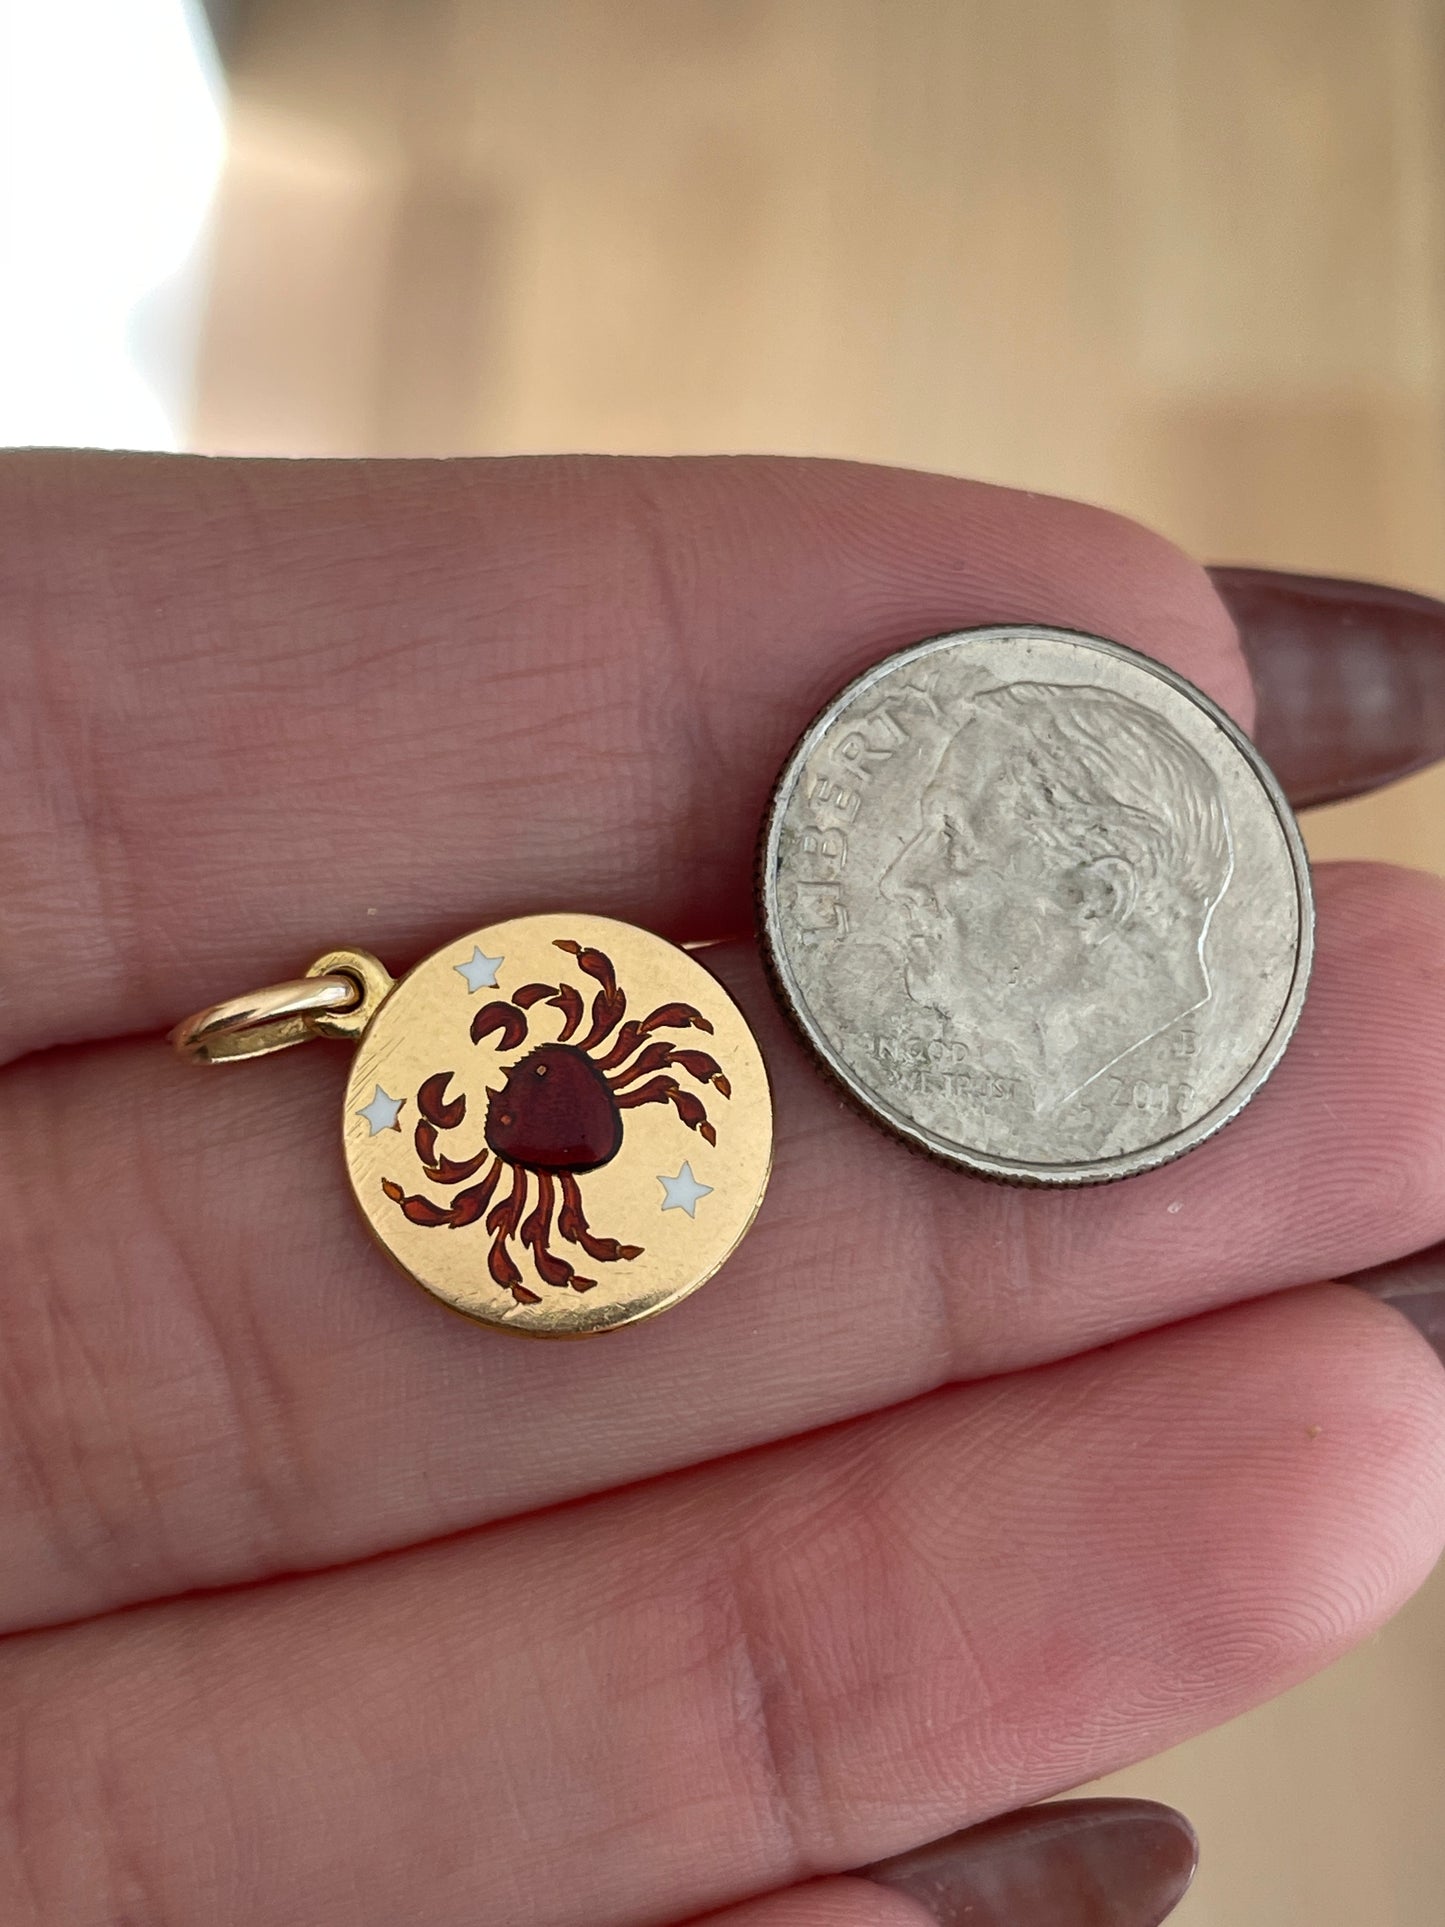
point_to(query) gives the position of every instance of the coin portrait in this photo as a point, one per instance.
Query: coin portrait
(1036, 903)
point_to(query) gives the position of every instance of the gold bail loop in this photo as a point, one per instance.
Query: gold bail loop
(338, 997)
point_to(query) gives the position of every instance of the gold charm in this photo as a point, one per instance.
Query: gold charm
(557, 1125)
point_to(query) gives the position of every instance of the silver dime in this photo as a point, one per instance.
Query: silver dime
(1037, 904)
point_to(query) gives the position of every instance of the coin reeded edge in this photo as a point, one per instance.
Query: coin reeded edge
(883, 1115)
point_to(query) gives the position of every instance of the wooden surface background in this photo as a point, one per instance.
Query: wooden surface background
(1185, 257)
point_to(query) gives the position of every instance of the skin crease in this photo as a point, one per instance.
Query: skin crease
(826, 1903)
(600, 1642)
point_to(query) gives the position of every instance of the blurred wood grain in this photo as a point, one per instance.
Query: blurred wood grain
(1185, 257)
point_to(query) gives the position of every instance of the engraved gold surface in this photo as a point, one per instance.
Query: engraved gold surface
(423, 1028)
(373, 981)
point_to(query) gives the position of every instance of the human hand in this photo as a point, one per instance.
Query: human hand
(942, 1497)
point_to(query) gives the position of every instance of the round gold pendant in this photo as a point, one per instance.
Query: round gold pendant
(558, 1125)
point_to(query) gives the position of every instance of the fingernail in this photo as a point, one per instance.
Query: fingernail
(1350, 678)
(1414, 1286)
(1079, 1863)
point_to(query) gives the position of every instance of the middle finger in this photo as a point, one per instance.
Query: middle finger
(778, 1666)
(210, 1374)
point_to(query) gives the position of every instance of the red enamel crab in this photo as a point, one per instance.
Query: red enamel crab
(557, 1115)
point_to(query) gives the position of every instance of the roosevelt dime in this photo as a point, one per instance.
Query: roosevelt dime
(1037, 904)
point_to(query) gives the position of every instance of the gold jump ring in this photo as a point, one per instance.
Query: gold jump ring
(337, 997)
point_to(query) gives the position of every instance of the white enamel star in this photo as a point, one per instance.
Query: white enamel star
(683, 1192)
(382, 1112)
(480, 970)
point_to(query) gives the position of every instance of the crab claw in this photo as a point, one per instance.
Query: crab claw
(505, 1018)
(432, 1103)
(569, 1001)
(675, 1017)
(468, 1206)
(594, 962)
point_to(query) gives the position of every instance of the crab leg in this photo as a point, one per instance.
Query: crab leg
(657, 1055)
(628, 1038)
(667, 1090)
(465, 1208)
(505, 1273)
(675, 1017)
(665, 1017)
(502, 1221)
(468, 1205)
(572, 1225)
(651, 1058)
(609, 1006)
(705, 1069)
(416, 1209)
(534, 1234)
(505, 1217)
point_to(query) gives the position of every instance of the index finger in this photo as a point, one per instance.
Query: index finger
(259, 708)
